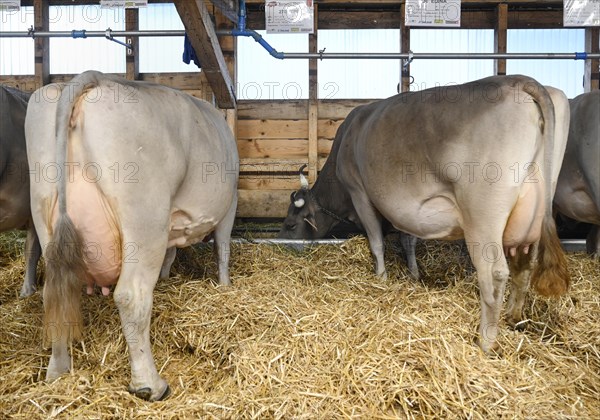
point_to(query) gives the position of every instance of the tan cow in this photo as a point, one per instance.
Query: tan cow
(129, 170)
(477, 161)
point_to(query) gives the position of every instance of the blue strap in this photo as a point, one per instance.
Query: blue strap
(78, 33)
(580, 56)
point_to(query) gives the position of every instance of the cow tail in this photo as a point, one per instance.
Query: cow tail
(65, 266)
(550, 276)
(63, 280)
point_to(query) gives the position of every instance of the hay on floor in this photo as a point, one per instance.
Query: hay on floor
(313, 335)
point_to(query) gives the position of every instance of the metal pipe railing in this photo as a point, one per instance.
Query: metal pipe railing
(444, 56)
(87, 34)
(301, 55)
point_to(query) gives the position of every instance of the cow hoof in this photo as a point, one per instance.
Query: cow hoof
(519, 326)
(27, 291)
(224, 282)
(516, 324)
(490, 350)
(146, 393)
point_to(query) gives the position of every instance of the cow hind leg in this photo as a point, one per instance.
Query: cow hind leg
(33, 252)
(492, 275)
(222, 244)
(409, 244)
(520, 269)
(167, 263)
(593, 242)
(133, 297)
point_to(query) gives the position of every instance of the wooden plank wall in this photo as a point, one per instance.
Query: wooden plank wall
(273, 140)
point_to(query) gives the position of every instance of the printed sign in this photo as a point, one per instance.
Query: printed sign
(435, 13)
(120, 4)
(10, 5)
(581, 13)
(289, 16)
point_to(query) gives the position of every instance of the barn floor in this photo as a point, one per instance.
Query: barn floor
(313, 335)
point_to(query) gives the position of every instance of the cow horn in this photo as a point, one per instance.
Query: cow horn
(299, 202)
(303, 181)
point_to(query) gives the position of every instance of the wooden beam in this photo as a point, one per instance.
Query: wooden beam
(591, 79)
(201, 32)
(404, 48)
(42, 45)
(227, 8)
(366, 14)
(500, 36)
(132, 60)
(228, 47)
(313, 103)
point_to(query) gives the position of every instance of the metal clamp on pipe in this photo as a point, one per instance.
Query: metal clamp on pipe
(108, 35)
(581, 56)
(409, 60)
(31, 32)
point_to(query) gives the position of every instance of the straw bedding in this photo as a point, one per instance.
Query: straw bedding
(313, 335)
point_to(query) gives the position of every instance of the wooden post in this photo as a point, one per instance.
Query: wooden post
(404, 48)
(591, 78)
(228, 46)
(500, 36)
(42, 45)
(313, 104)
(132, 61)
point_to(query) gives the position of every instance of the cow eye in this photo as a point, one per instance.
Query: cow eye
(291, 227)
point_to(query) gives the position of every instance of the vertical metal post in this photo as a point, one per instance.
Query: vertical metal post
(41, 13)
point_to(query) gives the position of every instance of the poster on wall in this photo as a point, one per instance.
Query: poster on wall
(10, 5)
(433, 13)
(120, 4)
(581, 13)
(289, 16)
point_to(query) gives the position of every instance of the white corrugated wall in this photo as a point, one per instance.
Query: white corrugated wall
(69, 56)
(261, 76)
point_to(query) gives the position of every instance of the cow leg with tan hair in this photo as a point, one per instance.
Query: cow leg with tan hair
(520, 266)
(222, 244)
(484, 242)
(133, 297)
(371, 221)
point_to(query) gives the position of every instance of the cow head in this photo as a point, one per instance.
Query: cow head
(301, 221)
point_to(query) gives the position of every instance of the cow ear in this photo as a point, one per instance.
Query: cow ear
(293, 196)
